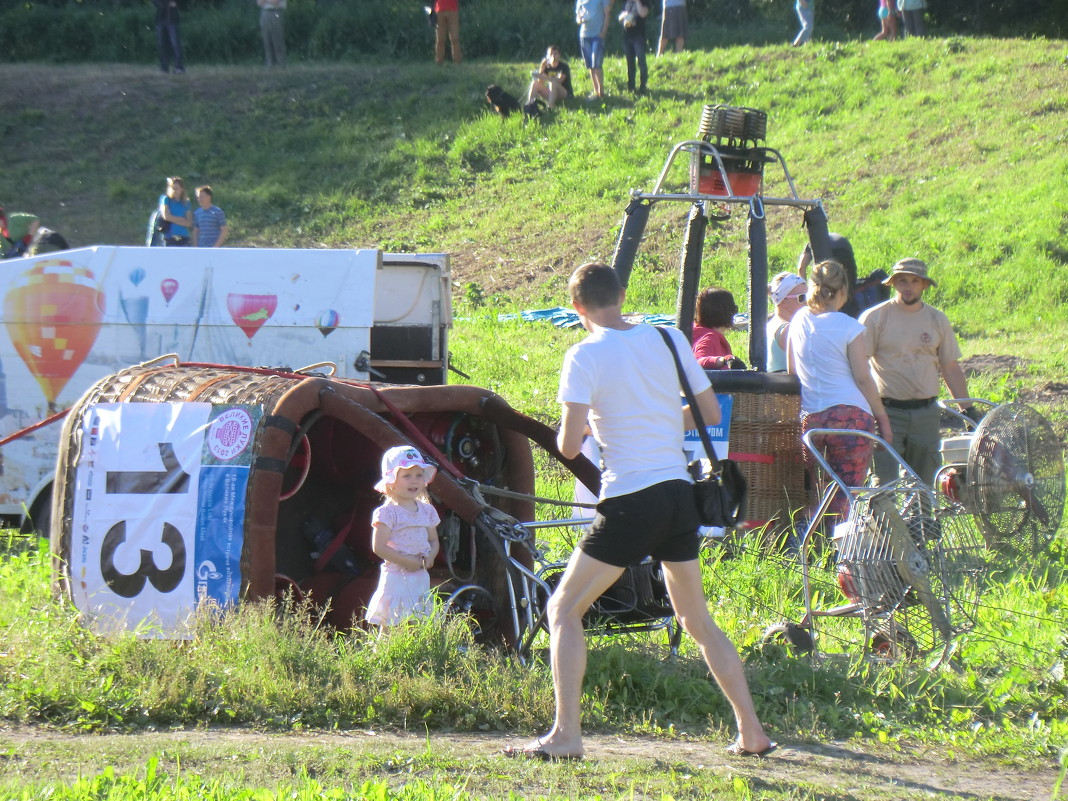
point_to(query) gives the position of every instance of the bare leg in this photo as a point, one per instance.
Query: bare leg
(683, 581)
(597, 76)
(554, 93)
(583, 582)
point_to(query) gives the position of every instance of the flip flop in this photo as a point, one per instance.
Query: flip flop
(538, 752)
(735, 749)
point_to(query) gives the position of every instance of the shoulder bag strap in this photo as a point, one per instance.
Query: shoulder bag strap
(694, 410)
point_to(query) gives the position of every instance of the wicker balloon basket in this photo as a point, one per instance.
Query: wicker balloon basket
(180, 484)
(765, 440)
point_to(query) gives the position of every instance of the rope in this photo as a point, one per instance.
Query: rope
(419, 437)
(34, 427)
(491, 490)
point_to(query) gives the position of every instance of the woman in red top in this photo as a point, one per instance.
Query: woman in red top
(714, 317)
(448, 12)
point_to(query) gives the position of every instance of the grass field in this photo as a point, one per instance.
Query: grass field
(952, 150)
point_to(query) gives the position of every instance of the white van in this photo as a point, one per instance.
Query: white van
(73, 317)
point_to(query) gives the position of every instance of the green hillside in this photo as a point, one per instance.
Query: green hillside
(952, 150)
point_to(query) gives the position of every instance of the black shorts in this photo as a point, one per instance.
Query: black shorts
(659, 521)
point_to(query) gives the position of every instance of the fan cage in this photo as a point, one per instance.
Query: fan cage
(914, 568)
(1015, 480)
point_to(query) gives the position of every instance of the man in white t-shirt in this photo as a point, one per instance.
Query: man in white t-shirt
(622, 379)
(913, 349)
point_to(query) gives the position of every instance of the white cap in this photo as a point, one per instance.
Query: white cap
(781, 286)
(398, 458)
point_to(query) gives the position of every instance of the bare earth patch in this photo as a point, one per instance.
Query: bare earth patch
(846, 770)
(1049, 397)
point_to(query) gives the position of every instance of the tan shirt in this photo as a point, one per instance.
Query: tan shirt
(908, 349)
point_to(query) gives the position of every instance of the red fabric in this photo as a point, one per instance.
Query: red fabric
(708, 346)
(849, 455)
(446, 5)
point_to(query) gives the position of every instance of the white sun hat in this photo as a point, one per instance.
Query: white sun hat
(782, 285)
(398, 458)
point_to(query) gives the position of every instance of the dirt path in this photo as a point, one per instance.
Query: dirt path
(836, 769)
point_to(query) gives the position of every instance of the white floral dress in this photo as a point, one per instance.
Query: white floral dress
(403, 593)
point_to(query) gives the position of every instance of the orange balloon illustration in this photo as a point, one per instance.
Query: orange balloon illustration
(52, 313)
(250, 312)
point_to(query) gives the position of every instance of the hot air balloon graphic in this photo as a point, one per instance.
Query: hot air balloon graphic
(250, 312)
(328, 320)
(168, 287)
(137, 275)
(52, 313)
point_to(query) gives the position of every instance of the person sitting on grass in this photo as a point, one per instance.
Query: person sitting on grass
(551, 81)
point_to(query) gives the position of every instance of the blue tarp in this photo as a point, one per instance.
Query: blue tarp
(568, 318)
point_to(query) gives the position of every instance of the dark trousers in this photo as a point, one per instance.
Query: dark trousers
(913, 21)
(634, 50)
(170, 46)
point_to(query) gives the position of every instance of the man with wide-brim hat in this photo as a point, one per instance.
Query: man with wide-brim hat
(913, 351)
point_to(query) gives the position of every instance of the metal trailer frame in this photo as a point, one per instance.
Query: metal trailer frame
(636, 217)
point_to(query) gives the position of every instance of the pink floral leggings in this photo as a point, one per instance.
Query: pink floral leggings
(847, 454)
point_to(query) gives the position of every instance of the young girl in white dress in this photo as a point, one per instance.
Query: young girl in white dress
(405, 537)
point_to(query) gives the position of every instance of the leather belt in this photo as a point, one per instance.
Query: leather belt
(917, 403)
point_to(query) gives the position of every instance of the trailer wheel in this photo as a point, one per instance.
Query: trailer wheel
(894, 642)
(479, 605)
(39, 520)
(798, 637)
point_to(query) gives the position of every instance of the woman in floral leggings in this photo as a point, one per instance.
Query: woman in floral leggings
(825, 349)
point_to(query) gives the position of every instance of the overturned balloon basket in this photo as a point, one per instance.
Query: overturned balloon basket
(180, 485)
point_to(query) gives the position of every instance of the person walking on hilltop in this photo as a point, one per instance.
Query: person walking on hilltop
(448, 27)
(633, 20)
(273, 31)
(168, 37)
(592, 19)
(674, 26)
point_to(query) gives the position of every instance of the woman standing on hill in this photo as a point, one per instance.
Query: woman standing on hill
(887, 21)
(174, 208)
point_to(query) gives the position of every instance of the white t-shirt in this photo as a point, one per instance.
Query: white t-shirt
(628, 379)
(819, 344)
(909, 349)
